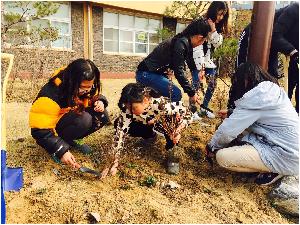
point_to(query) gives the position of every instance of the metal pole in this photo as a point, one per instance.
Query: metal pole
(261, 32)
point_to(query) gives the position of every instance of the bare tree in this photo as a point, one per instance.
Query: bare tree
(187, 9)
(15, 23)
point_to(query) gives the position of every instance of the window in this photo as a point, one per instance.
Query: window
(180, 27)
(129, 34)
(61, 20)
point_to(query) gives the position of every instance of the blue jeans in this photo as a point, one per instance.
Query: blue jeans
(211, 78)
(158, 83)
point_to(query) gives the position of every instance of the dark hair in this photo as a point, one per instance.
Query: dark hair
(72, 76)
(247, 76)
(212, 11)
(196, 27)
(135, 93)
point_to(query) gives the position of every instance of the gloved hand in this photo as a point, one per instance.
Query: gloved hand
(295, 57)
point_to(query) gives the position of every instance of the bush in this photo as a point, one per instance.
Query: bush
(226, 55)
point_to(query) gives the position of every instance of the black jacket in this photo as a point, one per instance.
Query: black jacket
(285, 37)
(46, 110)
(171, 53)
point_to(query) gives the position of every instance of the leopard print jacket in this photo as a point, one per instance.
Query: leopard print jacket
(157, 107)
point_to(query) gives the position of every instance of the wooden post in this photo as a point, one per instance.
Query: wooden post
(261, 32)
(10, 58)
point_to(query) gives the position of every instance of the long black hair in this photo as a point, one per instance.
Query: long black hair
(212, 11)
(72, 76)
(196, 27)
(247, 76)
(135, 93)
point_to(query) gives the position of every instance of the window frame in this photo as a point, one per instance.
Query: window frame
(134, 31)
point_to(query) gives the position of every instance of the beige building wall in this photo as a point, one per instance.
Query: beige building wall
(145, 6)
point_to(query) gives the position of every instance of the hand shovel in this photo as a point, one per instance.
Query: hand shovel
(88, 170)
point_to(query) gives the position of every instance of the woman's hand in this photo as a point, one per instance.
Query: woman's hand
(151, 122)
(69, 159)
(169, 72)
(112, 170)
(209, 155)
(201, 74)
(195, 99)
(223, 113)
(176, 135)
(99, 106)
(212, 25)
(175, 138)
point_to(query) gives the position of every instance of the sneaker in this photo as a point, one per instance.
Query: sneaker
(267, 178)
(80, 146)
(207, 112)
(196, 117)
(172, 162)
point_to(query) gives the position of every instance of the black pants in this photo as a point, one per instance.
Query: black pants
(138, 129)
(293, 82)
(74, 126)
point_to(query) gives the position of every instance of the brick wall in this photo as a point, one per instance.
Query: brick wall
(36, 62)
(111, 65)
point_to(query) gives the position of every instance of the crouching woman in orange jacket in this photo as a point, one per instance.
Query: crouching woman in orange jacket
(68, 108)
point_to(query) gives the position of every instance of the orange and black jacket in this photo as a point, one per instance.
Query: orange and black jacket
(46, 110)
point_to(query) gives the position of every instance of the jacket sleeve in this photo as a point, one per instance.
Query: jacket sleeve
(243, 46)
(231, 127)
(179, 56)
(198, 56)
(46, 138)
(120, 132)
(215, 39)
(104, 100)
(43, 117)
(284, 23)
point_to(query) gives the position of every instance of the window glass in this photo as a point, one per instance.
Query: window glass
(126, 47)
(141, 23)
(126, 35)
(126, 21)
(110, 19)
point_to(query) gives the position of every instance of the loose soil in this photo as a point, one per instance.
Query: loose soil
(53, 193)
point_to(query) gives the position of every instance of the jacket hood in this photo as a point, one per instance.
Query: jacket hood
(266, 95)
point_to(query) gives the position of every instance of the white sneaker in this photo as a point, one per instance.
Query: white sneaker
(196, 117)
(207, 112)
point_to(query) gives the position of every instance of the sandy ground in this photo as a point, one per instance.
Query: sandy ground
(53, 193)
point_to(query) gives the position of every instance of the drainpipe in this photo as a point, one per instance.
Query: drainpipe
(261, 32)
(90, 31)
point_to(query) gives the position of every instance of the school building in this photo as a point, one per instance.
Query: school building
(115, 35)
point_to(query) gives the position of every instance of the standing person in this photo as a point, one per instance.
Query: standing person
(285, 39)
(67, 108)
(217, 17)
(171, 55)
(141, 108)
(271, 145)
